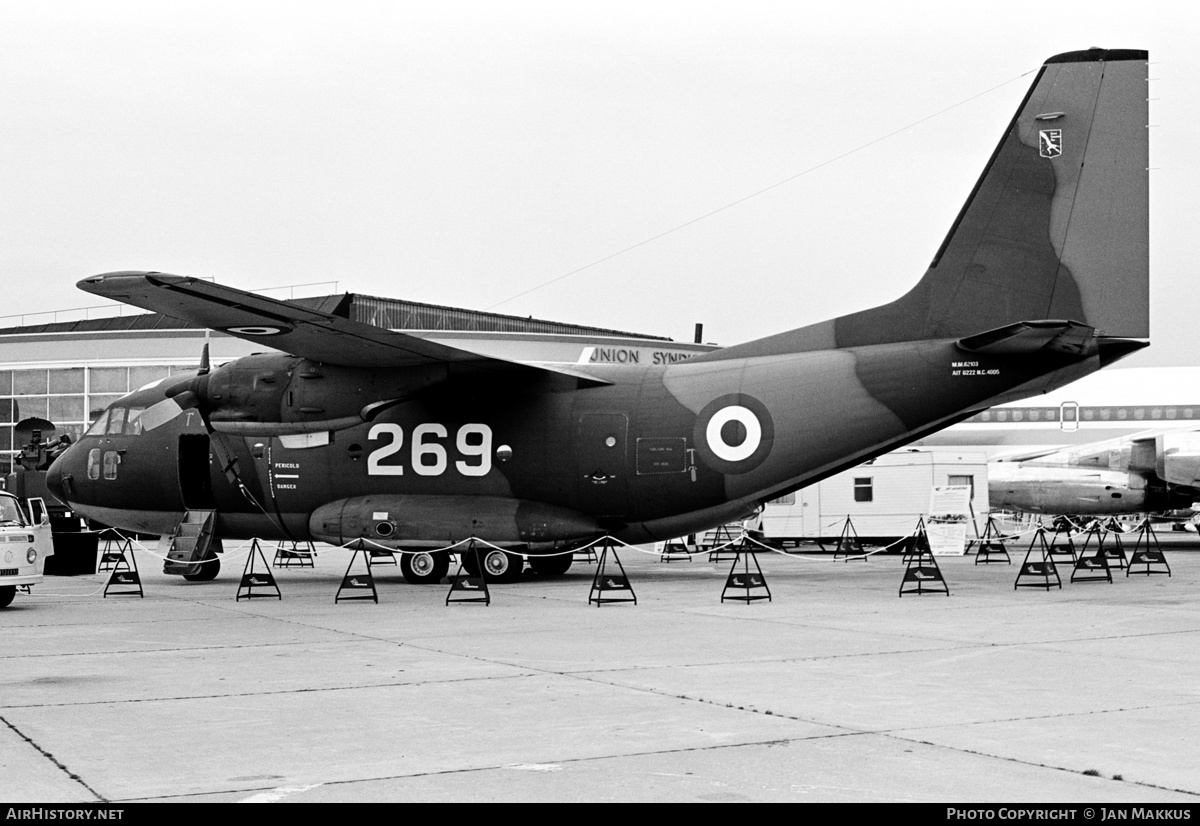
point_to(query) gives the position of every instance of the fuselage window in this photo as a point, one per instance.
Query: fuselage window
(94, 463)
(864, 490)
(111, 460)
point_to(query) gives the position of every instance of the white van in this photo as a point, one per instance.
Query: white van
(24, 548)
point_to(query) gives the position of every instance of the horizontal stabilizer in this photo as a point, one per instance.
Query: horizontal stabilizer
(1031, 337)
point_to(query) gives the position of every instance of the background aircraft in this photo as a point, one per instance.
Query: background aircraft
(1152, 471)
(1110, 404)
(355, 432)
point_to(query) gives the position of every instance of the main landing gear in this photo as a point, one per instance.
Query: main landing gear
(425, 568)
(498, 566)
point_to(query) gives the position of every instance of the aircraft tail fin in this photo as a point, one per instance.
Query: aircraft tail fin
(1057, 226)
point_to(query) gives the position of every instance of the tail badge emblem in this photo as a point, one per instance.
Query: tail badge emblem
(1050, 142)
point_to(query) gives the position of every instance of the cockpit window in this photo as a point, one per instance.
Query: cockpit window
(116, 421)
(133, 422)
(10, 512)
(98, 426)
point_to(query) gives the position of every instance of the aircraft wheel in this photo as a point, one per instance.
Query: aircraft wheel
(424, 568)
(501, 566)
(550, 565)
(7, 594)
(208, 571)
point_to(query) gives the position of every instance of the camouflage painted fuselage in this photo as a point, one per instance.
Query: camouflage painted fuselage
(660, 452)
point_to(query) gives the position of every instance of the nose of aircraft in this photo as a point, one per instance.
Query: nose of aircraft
(54, 477)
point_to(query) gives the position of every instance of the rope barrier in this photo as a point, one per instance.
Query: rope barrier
(244, 549)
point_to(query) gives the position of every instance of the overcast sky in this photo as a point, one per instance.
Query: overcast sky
(469, 153)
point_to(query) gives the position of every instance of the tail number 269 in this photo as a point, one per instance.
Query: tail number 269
(428, 454)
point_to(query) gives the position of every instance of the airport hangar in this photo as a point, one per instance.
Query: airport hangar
(67, 371)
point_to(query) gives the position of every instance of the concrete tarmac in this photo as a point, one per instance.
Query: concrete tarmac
(837, 689)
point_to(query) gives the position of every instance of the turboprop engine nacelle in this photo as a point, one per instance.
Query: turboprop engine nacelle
(276, 394)
(1065, 490)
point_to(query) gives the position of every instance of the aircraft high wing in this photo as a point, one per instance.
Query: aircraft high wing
(321, 336)
(1148, 472)
(353, 433)
(242, 398)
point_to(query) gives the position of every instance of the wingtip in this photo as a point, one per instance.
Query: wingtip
(107, 283)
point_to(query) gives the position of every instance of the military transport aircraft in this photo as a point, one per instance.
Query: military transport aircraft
(1153, 471)
(356, 432)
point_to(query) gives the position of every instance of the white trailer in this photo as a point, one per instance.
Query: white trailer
(883, 498)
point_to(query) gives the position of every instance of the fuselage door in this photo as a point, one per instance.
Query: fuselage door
(602, 464)
(195, 483)
(1068, 418)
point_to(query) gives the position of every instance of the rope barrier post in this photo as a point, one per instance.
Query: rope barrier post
(1042, 567)
(108, 557)
(358, 582)
(252, 579)
(474, 584)
(723, 545)
(672, 550)
(1149, 555)
(125, 575)
(921, 566)
(752, 583)
(848, 543)
(1115, 552)
(1092, 565)
(991, 544)
(294, 556)
(382, 556)
(603, 581)
(1063, 527)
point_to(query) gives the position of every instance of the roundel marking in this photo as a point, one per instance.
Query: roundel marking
(734, 433)
(254, 331)
(733, 444)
